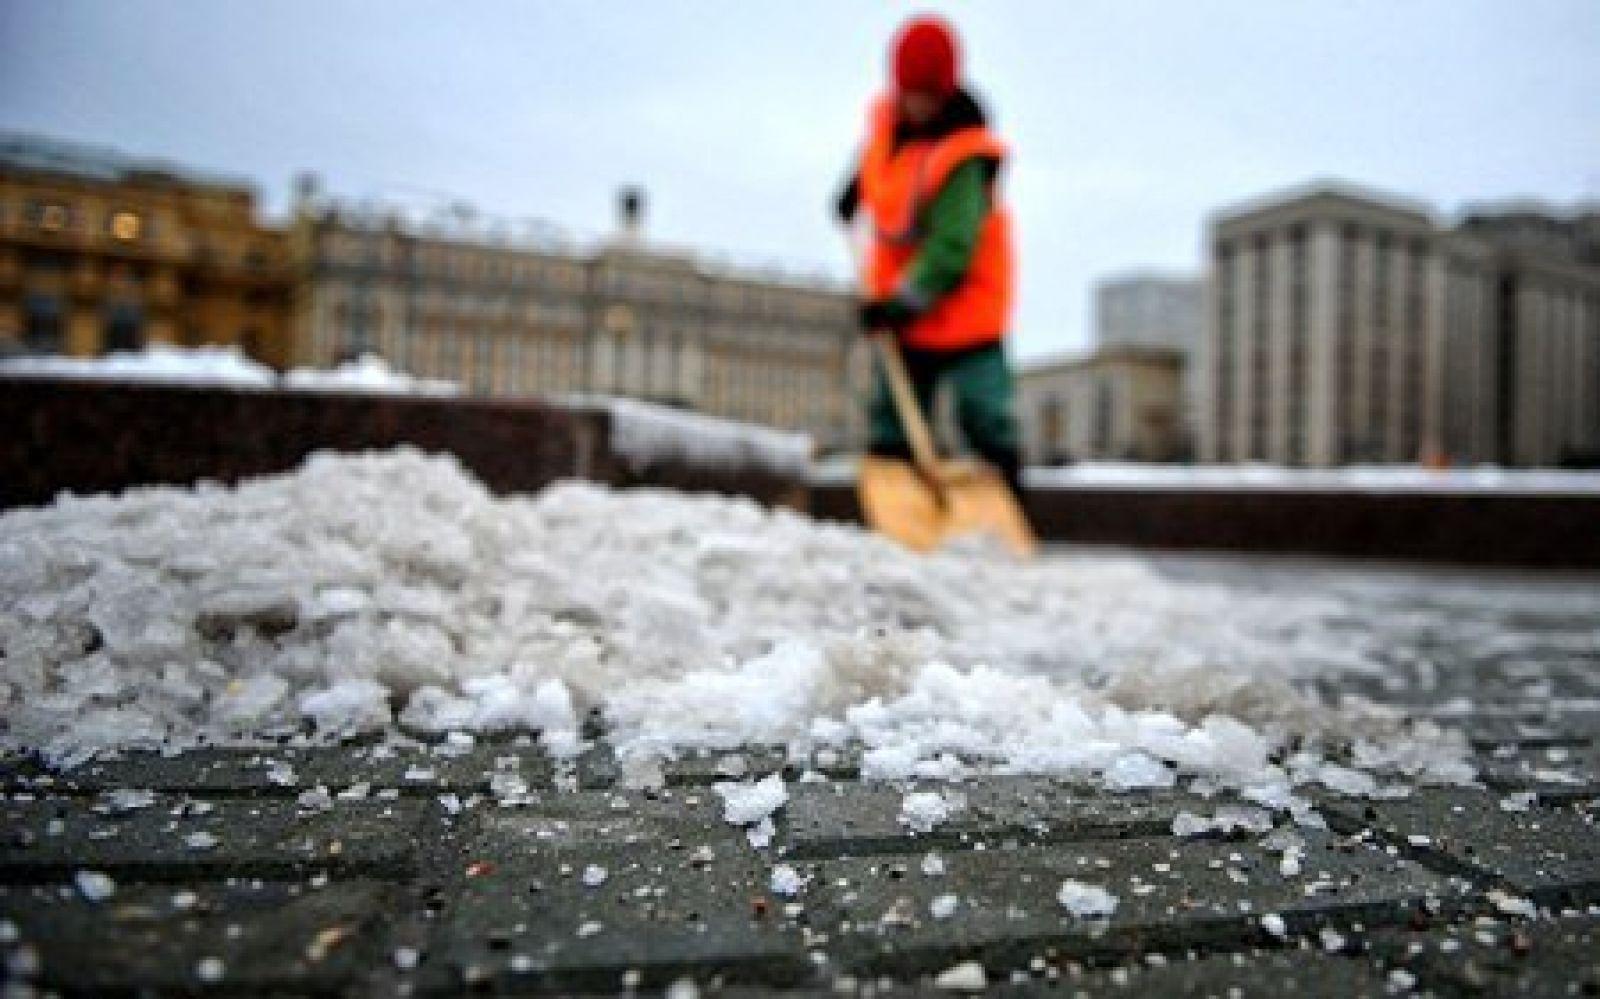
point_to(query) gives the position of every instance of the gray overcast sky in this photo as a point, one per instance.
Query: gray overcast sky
(1130, 120)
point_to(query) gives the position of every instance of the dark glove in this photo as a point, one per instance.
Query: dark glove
(844, 207)
(892, 314)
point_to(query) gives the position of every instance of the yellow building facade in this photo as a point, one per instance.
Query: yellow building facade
(101, 253)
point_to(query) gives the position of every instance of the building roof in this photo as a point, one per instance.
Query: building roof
(1326, 193)
(1132, 354)
(32, 153)
(1150, 276)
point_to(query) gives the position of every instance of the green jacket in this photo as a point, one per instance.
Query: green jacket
(952, 222)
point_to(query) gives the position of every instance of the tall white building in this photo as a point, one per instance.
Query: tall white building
(1348, 326)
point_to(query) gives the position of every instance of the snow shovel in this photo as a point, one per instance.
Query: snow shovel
(927, 501)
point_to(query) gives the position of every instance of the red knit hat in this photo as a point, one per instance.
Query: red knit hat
(926, 57)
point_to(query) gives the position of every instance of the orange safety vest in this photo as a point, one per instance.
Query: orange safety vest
(896, 185)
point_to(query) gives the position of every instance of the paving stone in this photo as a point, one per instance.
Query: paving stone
(420, 771)
(525, 918)
(1301, 973)
(1534, 725)
(1547, 853)
(268, 936)
(1556, 773)
(1557, 957)
(47, 839)
(836, 819)
(1172, 894)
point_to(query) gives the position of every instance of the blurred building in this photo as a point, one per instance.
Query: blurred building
(1163, 311)
(1118, 403)
(101, 252)
(1529, 392)
(1347, 326)
(508, 316)
(1149, 310)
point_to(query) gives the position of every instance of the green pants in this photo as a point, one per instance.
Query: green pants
(984, 397)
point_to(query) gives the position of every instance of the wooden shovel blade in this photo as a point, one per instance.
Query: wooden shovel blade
(904, 505)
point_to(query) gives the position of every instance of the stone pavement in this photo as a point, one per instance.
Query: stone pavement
(483, 868)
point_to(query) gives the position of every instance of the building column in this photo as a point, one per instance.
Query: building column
(1280, 338)
(84, 331)
(1358, 408)
(1322, 319)
(1245, 389)
(1436, 302)
(1399, 335)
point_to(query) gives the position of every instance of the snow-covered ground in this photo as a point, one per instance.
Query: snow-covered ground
(364, 592)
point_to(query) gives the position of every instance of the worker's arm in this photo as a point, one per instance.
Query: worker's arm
(953, 223)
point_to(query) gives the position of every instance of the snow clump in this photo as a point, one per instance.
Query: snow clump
(921, 811)
(1086, 901)
(746, 802)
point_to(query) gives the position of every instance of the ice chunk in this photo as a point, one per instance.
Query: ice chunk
(745, 802)
(96, 886)
(1228, 819)
(348, 706)
(1086, 900)
(786, 881)
(968, 976)
(1132, 771)
(1512, 905)
(921, 811)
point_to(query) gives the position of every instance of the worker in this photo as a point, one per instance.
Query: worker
(938, 270)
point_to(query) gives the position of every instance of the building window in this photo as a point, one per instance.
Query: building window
(1051, 427)
(126, 226)
(1104, 407)
(124, 329)
(42, 328)
(51, 216)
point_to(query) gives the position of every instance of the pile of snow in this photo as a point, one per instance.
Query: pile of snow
(644, 433)
(157, 363)
(368, 373)
(364, 592)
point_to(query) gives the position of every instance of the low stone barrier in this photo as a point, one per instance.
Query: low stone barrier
(89, 436)
(1483, 528)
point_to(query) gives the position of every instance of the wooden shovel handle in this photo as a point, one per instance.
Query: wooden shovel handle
(923, 452)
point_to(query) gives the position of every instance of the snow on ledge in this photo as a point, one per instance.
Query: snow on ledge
(158, 363)
(368, 373)
(229, 367)
(644, 433)
(1351, 478)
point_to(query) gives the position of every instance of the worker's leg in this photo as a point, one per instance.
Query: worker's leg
(886, 436)
(986, 410)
